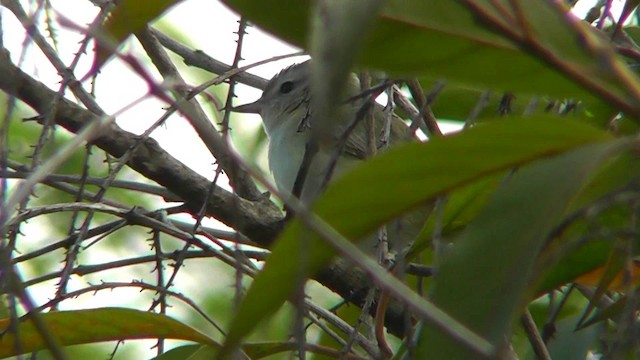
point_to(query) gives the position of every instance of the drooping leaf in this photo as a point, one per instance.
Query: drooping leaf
(189, 352)
(548, 31)
(96, 325)
(445, 40)
(590, 255)
(610, 312)
(266, 349)
(128, 17)
(611, 271)
(337, 31)
(513, 228)
(389, 185)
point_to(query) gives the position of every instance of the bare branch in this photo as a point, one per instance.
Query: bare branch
(203, 61)
(197, 117)
(260, 220)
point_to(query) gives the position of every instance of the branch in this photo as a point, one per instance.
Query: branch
(239, 179)
(260, 220)
(203, 61)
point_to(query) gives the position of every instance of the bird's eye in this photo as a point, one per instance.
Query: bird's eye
(286, 87)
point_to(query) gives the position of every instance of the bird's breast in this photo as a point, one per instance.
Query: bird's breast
(285, 158)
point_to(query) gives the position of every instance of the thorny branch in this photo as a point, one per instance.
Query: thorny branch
(259, 220)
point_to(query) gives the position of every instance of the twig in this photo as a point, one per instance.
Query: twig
(203, 61)
(62, 69)
(344, 327)
(87, 134)
(424, 106)
(535, 339)
(481, 104)
(197, 117)
(107, 228)
(407, 106)
(135, 284)
(72, 179)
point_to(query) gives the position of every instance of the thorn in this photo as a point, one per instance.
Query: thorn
(34, 118)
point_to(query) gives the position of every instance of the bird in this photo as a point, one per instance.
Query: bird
(286, 111)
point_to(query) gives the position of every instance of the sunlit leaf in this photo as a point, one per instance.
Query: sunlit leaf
(96, 325)
(438, 166)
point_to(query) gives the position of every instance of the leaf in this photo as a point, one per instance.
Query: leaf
(264, 349)
(189, 352)
(612, 271)
(461, 206)
(513, 228)
(593, 254)
(128, 17)
(337, 31)
(578, 262)
(445, 39)
(618, 282)
(435, 167)
(256, 350)
(612, 311)
(569, 45)
(96, 325)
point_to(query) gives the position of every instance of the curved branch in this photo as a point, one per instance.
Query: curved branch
(260, 220)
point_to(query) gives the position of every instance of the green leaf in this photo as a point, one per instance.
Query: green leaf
(445, 39)
(401, 179)
(572, 47)
(594, 253)
(128, 17)
(578, 262)
(612, 269)
(189, 352)
(612, 311)
(514, 228)
(337, 31)
(460, 207)
(264, 349)
(96, 325)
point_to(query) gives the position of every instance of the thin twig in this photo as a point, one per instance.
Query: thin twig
(62, 69)
(136, 186)
(242, 183)
(203, 61)
(87, 134)
(407, 106)
(136, 284)
(531, 329)
(481, 104)
(424, 105)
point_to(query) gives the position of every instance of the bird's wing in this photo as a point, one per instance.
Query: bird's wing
(356, 144)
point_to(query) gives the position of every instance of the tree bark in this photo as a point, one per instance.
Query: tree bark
(260, 220)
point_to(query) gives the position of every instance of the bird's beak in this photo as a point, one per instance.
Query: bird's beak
(251, 108)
